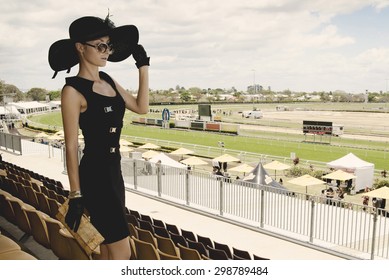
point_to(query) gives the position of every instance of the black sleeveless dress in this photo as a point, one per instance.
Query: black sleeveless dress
(101, 179)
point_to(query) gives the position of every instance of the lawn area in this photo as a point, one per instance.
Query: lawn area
(268, 143)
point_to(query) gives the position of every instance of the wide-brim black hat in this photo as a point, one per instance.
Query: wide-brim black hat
(63, 54)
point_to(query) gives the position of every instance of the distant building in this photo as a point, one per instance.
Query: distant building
(31, 107)
(9, 112)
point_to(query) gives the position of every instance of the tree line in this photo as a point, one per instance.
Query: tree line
(181, 94)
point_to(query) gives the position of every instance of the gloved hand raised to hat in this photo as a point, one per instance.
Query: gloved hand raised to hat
(140, 56)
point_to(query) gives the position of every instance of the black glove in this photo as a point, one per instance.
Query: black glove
(140, 56)
(75, 211)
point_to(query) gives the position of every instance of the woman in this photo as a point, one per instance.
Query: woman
(95, 103)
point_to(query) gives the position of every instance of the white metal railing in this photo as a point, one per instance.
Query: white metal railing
(342, 227)
(11, 142)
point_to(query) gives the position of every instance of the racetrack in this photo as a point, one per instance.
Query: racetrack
(370, 126)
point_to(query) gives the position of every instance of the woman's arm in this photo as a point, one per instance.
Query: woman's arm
(71, 104)
(140, 104)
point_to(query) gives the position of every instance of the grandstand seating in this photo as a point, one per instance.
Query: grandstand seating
(17, 255)
(205, 240)
(133, 231)
(22, 220)
(10, 250)
(216, 254)
(241, 253)
(172, 228)
(159, 223)
(178, 239)
(145, 250)
(165, 256)
(188, 253)
(30, 201)
(161, 231)
(7, 244)
(58, 243)
(256, 257)
(146, 236)
(132, 219)
(198, 246)
(38, 227)
(188, 234)
(166, 245)
(224, 247)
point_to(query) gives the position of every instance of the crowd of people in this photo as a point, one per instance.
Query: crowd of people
(333, 197)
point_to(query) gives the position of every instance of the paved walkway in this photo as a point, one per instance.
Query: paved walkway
(223, 232)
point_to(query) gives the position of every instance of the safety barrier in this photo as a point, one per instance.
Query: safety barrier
(344, 228)
(11, 142)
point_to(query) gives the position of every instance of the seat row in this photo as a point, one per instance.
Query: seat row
(10, 250)
(46, 231)
(39, 197)
(26, 173)
(154, 231)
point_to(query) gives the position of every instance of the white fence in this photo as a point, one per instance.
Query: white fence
(345, 228)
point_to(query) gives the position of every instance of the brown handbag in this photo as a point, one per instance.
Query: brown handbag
(87, 236)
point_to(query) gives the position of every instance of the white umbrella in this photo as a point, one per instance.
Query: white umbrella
(276, 165)
(339, 175)
(182, 151)
(124, 142)
(382, 192)
(306, 180)
(226, 158)
(149, 154)
(194, 161)
(150, 146)
(244, 168)
(125, 149)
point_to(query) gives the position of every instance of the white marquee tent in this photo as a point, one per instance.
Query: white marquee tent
(363, 170)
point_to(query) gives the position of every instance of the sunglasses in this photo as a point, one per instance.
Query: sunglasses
(102, 47)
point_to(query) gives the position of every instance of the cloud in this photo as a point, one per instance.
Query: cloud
(205, 43)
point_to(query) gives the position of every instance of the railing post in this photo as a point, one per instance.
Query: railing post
(221, 194)
(135, 175)
(187, 198)
(159, 179)
(312, 221)
(65, 170)
(262, 217)
(20, 145)
(12, 143)
(375, 218)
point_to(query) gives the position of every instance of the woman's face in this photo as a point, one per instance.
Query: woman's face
(96, 52)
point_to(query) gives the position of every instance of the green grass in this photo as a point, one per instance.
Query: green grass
(267, 143)
(52, 119)
(307, 151)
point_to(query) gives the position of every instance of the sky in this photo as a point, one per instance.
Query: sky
(297, 45)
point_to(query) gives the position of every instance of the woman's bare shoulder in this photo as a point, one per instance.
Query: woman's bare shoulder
(69, 91)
